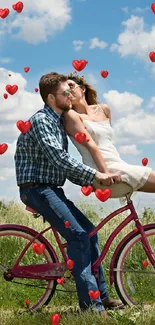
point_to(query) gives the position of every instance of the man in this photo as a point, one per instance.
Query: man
(42, 165)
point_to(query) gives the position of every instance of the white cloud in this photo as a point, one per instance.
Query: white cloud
(125, 10)
(129, 149)
(152, 103)
(95, 42)
(136, 40)
(92, 80)
(38, 21)
(78, 45)
(137, 10)
(5, 60)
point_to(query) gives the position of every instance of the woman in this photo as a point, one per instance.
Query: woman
(94, 119)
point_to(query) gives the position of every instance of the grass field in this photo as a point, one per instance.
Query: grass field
(12, 296)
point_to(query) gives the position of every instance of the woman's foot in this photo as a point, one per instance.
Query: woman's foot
(110, 303)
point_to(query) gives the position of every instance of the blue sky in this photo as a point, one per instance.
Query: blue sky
(116, 37)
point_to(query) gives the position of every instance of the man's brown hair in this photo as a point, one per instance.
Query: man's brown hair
(49, 84)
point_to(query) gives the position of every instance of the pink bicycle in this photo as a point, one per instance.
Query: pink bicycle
(132, 267)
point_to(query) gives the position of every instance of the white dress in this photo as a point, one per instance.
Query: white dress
(133, 177)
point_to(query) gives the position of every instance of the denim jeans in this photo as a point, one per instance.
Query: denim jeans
(53, 205)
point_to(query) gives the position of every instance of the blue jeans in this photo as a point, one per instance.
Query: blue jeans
(53, 205)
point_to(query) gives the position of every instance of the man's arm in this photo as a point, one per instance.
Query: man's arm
(45, 134)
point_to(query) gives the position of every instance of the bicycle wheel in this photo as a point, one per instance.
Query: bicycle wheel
(134, 276)
(15, 292)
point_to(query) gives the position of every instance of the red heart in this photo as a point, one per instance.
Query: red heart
(3, 148)
(152, 56)
(103, 195)
(94, 294)
(79, 65)
(24, 127)
(55, 319)
(70, 264)
(86, 190)
(18, 6)
(38, 248)
(27, 302)
(135, 229)
(60, 280)
(67, 224)
(9, 74)
(11, 89)
(104, 73)
(144, 161)
(26, 69)
(80, 137)
(145, 264)
(4, 12)
(5, 96)
(36, 90)
(153, 7)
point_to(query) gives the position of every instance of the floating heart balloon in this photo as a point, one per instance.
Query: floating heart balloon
(36, 90)
(103, 195)
(80, 137)
(38, 248)
(24, 127)
(104, 73)
(3, 148)
(60, 280)
(87, 190)
(5, 96)
(145, 264)
(26, 69)
(135, 229)
(94, 294)
(144, 161)
(153, 7)
(27, 302)
(11, 89)
(9, 74)
(67, 224)
(70, 264)
(18, 6)
(55, 319)
(4, 12)
(152, 56)
(79, 65)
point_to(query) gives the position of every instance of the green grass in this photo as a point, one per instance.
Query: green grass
(12, 300)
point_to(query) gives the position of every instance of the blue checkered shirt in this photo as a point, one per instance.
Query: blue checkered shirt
(42, 153)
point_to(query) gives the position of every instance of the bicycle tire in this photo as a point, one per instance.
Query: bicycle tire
(28, 233)
(121, 255)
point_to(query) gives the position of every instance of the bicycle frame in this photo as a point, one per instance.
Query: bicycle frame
(46, 271)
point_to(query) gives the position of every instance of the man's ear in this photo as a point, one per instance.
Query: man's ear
(50, 97)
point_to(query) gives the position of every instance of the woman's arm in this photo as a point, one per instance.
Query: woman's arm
(73, 124)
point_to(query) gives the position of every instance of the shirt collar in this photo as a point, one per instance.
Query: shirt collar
(51, 111)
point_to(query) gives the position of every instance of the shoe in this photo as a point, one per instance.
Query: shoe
(110, 303)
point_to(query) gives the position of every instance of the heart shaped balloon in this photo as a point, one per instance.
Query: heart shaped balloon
(153, 7)
(18, 6)
(67, 224)
(3, 148)
(36, 90)
(26, 69)
(11, 89)
(55, 319)
(38, 248)
(60, 280)
(87, 190)
(103, 195)
(70, 264)
(145, 264)
(152, 56)
(4, 12)
(144, 161)
(79, 65)
(80, 137)
(94, 294)
(5, 96)
(104, 73)
(24, 127)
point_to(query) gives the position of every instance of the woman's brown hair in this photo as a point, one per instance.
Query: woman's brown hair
(90, 93)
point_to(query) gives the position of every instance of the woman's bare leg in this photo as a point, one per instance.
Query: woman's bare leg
(149, 186)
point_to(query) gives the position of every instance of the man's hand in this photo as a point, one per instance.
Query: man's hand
(107, 179)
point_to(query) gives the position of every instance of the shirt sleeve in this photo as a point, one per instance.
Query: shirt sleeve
(45, 135)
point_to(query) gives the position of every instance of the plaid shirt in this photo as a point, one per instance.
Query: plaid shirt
(42, 153)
